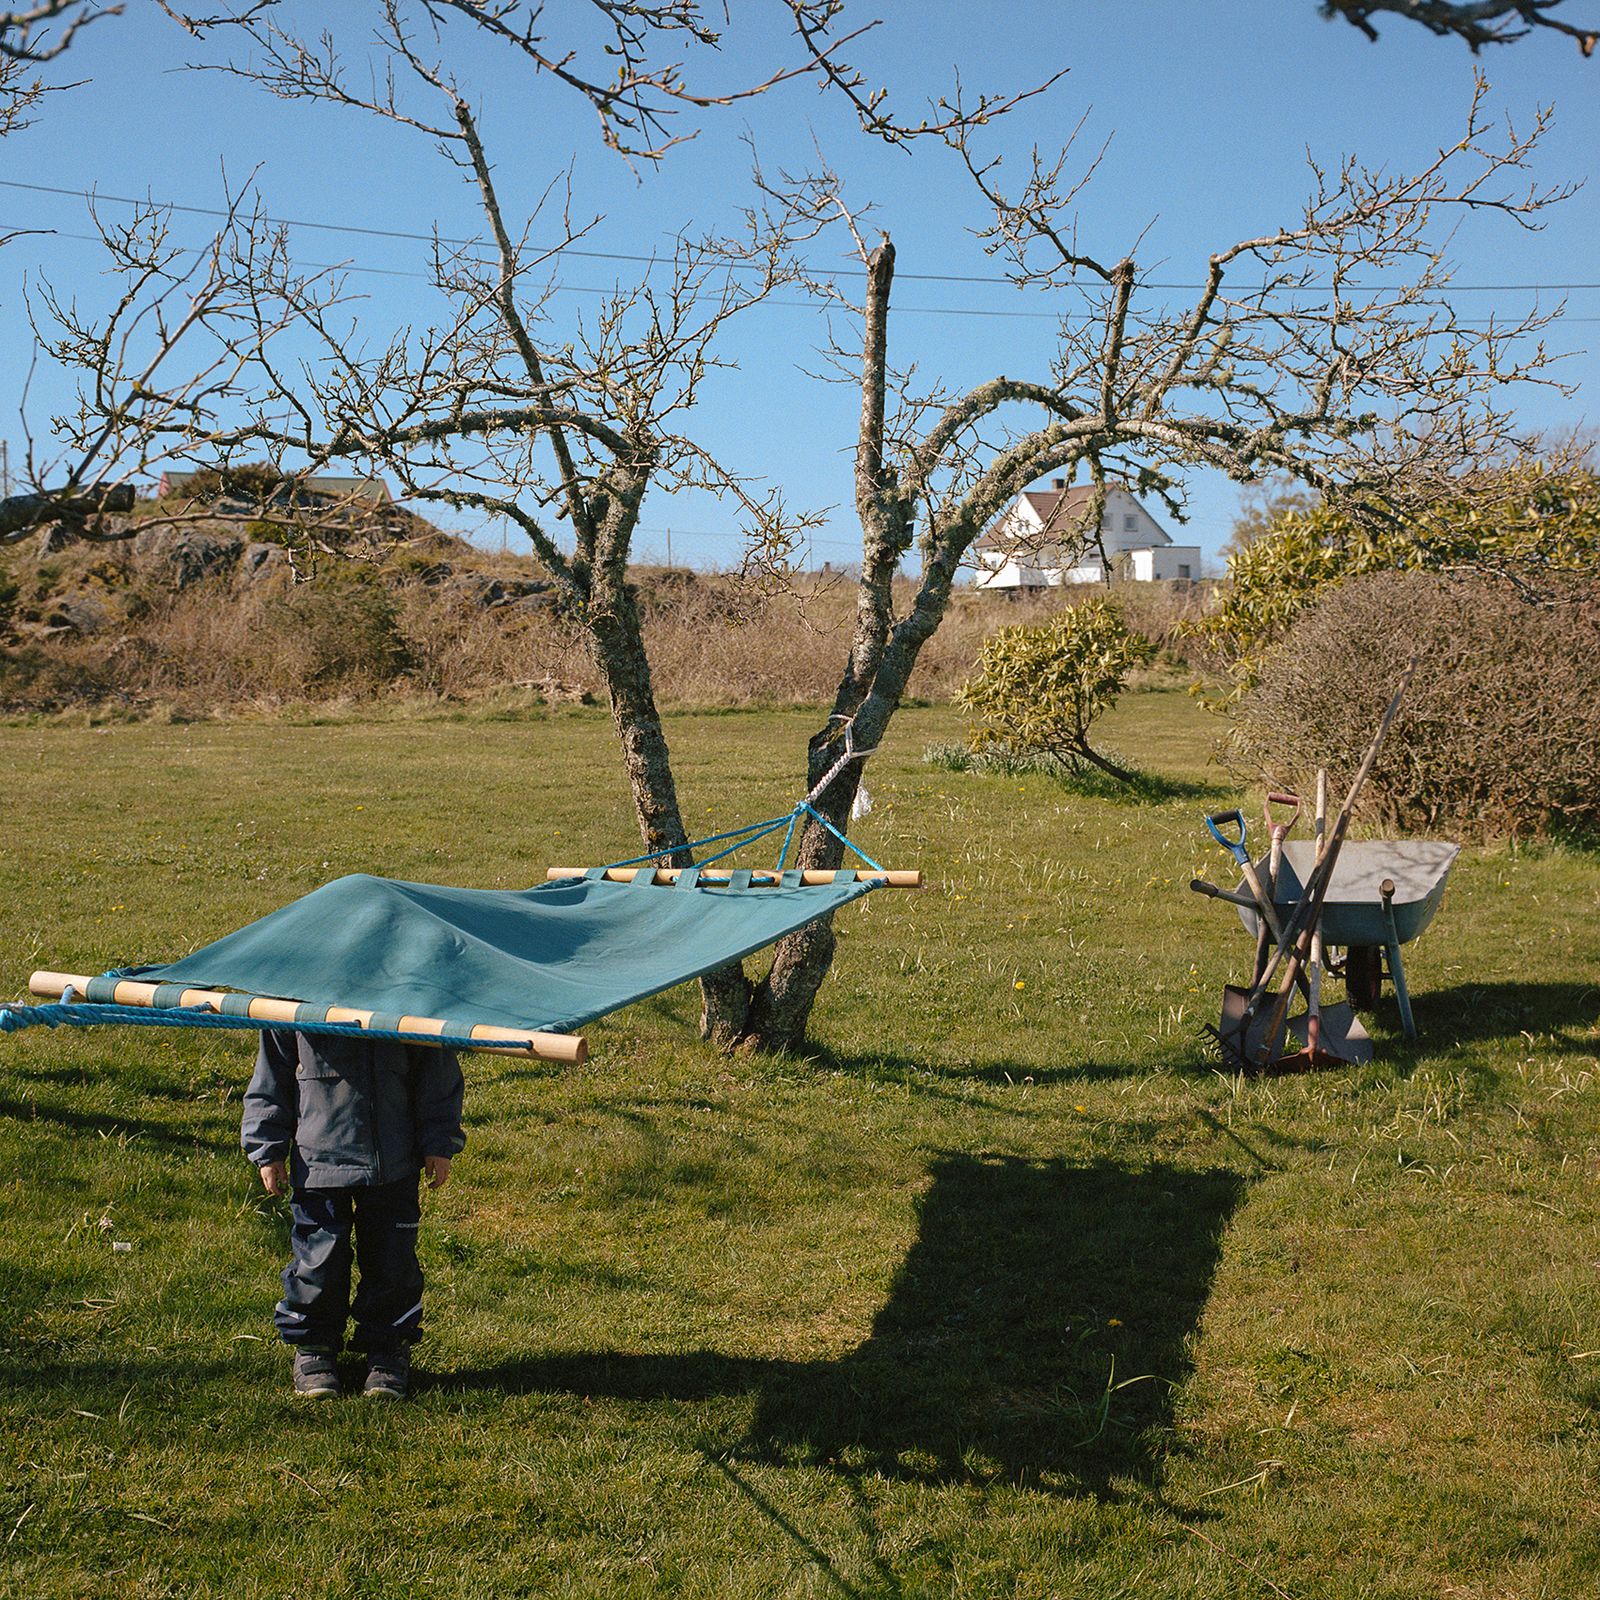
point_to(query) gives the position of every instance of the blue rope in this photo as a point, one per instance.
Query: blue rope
(855, 848)
(753, 829)
(748, 835)
(81, 1014)
(771, 827)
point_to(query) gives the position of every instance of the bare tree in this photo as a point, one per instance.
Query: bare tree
(1478, 22)
(1340, 363)
(502, 406)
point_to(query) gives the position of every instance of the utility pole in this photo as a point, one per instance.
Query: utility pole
(669, 547)
(5, 469)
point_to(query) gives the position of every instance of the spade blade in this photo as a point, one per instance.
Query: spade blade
(1247, 1038)
(1342, 1041)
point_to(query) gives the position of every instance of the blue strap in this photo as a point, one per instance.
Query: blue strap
(643, 878)
(307, 1012)
(750, 830)
(743, 836)
(855, 849)
(846, 875)
(102, 990)
(688, 878)
(168, 994)
(384, 1022)
(739, 878)
(793, 878)
(596, 874)
(236, 1005)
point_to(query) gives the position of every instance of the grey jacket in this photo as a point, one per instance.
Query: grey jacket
(351, 1112)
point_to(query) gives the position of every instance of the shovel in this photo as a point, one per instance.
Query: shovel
(1237, 849)
(1278, 832)
(1244, 1034)
(1333, 1037)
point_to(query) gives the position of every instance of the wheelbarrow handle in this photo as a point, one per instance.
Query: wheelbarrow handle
(1234, 847)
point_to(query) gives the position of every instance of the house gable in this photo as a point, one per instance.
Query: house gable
(1040, 540)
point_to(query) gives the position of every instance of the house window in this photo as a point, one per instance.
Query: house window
(1129, 521)
(1183, 570)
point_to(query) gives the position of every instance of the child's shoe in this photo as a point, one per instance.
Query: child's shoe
(316, 1374)
(389, 1374)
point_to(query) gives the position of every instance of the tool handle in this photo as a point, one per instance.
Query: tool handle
(1234, 847)
(1276, 797)
(1201, 886)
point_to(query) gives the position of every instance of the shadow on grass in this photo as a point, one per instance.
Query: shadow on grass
(926, 1077)
(1087, 783)
(126, 1128)
(1565, 1014)
(1470, 1012)
(1033, 1335)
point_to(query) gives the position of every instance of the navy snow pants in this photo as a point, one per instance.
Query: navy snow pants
(382, 1221)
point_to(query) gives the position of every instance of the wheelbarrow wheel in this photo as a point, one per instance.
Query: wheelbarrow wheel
(1363, 975)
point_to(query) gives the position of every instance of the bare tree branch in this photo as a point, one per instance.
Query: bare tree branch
(27, 34)
(1477, 22)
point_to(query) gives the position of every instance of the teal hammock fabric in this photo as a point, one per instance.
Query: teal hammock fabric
(548, 958)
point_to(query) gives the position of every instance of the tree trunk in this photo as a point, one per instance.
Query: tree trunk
(1104, 763)
(617, 643)
(780, 1005)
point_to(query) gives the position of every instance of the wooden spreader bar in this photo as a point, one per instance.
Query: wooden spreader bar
(498, 1041)
(811, 876)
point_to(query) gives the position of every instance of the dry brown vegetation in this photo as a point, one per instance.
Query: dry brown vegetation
(389, 627)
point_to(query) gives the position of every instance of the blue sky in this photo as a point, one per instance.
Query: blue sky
(1211, 109)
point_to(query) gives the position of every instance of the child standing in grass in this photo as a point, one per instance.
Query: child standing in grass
(350, 1125)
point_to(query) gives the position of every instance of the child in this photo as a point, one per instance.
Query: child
(351, 1123)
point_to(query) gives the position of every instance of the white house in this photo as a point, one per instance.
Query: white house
(1041, 542)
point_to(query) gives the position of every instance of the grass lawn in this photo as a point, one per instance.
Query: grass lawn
(1005, 1291)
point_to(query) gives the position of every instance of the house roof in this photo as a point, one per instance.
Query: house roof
(1061, 511)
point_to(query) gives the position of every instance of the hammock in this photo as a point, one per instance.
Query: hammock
(472, 968)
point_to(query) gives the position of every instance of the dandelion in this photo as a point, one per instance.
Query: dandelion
(1080, 1108)
(1019, 984)
(1113, 1322)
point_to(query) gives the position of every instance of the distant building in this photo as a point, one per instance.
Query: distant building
(1041, 542)
(318, 490)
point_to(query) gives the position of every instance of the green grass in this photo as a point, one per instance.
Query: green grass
(1005, 1291)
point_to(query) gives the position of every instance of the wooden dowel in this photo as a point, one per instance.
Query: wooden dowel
(810, 877)
(499, 1041)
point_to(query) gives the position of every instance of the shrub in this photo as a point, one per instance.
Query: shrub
(1500, 731)
(9, 591)
(1522, 521)
(340, 632)
(1040, 689)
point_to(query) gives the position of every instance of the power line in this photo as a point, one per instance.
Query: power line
(790, 305)
(652, 260)
(705, 533)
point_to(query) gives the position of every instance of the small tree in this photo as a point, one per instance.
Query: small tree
(1040, 689)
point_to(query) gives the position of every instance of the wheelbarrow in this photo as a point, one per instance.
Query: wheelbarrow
(1382, 894)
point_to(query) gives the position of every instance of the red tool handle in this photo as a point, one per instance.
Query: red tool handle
(1276, 797)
